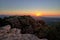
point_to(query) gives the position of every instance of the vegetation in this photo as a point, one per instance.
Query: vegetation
(54, 32)
(29, 25)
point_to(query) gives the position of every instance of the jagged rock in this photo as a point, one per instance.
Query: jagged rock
(28, 25)
(14, 34)
(15, 30)
(25, 23)
(14, 22)
(20, 37)
(5, 29)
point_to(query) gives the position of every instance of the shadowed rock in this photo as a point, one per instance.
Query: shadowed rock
(14, 34)
(28, 25)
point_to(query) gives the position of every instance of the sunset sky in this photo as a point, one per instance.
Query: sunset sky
(30, 7)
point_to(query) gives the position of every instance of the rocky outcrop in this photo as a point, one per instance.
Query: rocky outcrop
(28, 25)
(25, 23)
(14, 22)
(6, 33)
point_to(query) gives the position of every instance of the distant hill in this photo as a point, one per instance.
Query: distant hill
(2, 16)
(49, 20)
(46, 19)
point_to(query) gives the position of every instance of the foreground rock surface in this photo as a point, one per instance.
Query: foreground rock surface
(6, 33)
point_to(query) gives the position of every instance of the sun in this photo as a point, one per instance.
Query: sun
(38, 14)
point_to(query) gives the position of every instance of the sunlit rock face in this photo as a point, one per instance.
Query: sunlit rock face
(5, 29)
(6, 33)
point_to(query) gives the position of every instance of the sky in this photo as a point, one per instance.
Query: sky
(30, 7)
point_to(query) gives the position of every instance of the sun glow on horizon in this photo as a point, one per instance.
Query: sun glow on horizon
(38, 13)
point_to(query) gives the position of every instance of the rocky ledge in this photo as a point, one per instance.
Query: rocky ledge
(6, 33)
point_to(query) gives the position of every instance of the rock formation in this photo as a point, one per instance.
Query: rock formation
(15, 34)
(28, 25)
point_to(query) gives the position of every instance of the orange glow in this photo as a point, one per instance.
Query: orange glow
(32, 13)
(38, 13)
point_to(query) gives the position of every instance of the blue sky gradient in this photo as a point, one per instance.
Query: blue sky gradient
(26, 5)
